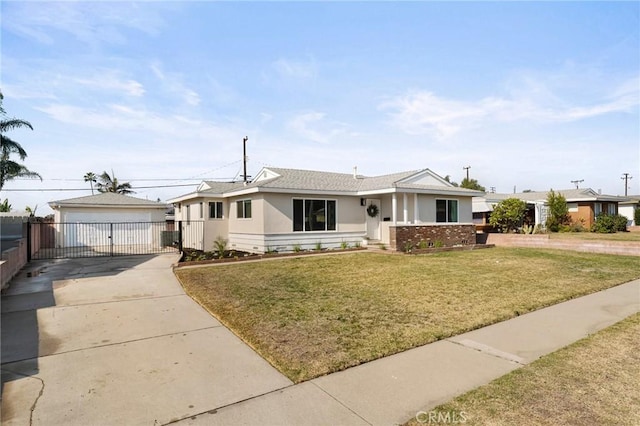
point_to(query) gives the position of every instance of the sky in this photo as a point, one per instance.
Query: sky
(530, 95)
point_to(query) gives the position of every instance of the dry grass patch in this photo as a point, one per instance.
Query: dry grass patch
(592, 382)
(315, 315)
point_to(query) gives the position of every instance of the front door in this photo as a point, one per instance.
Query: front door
(373, 223)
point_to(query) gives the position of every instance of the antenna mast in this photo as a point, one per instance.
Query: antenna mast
(244, 157)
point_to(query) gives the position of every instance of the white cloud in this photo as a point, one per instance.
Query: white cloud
(154, 125)
(88, 22)
(173, 83)
(423, 112)
(108, 81)
(291, 69)
(313, 126)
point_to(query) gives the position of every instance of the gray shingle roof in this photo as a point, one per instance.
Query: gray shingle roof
(571, 195)
(318, 181)
(107, 199)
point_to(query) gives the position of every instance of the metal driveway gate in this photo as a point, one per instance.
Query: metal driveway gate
(86, 239)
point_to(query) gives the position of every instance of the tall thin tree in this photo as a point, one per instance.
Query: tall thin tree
(91, 178)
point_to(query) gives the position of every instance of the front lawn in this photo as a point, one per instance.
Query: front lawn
(592, 382)
(316, 315)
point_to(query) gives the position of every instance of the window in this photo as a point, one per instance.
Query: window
(446, 210)
(597, 209)
(244, 209)
(200, 210)
(611, 209)
(314, 215)
(187, 212)
(215, 210)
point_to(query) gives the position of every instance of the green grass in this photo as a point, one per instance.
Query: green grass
(593, 236)
(315, 315)
(592, 382)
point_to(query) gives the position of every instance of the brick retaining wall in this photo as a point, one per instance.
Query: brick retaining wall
(631, 248)
(448, 235)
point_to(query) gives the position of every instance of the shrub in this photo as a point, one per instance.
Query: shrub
(604, 224)
(527, 229)
(577, 226)
(438, 244)
(408, 246)
(344, 245)
(220, 245)
(558, 213)
(508, 214)
(318, 246)
(423, 244)
(636, 216)
(297, 248)
(620, 223)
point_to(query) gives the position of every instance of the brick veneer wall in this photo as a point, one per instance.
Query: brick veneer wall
(449, 235)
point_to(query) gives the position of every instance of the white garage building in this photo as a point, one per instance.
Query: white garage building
(107, 220)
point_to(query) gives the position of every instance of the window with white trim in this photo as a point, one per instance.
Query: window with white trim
(446, 211)
(314, 215)
(244, 209)
(215, 210)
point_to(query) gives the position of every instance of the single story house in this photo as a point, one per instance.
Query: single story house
(283, 209)
(107, 218)
(584, 206)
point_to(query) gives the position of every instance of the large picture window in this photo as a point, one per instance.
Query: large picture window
(314, 215)
(446, 211)
(244, 209)
(215, 210)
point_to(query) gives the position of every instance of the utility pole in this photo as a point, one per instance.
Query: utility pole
(577, 183)
(244, 157)
(626, 177)
(467, 169)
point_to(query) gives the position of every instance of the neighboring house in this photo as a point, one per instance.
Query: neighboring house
(584, 206)
(628, 208)
(286, 208)
(85, 221)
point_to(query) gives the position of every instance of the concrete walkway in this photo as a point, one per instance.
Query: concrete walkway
(116, 341)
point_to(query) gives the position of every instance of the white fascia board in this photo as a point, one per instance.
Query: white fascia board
(377, 191)
(190, 196)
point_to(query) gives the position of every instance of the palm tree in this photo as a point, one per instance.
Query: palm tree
(108, 183)
(91, 178)
(10, 169)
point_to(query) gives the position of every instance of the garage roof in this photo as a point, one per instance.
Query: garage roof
(106, 199)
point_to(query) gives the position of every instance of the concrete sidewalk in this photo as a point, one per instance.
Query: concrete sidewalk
(116, 341)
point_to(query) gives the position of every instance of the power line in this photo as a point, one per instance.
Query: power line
(135, 180)
(85, 189)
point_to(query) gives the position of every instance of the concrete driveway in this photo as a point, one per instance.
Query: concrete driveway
(116, 341)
